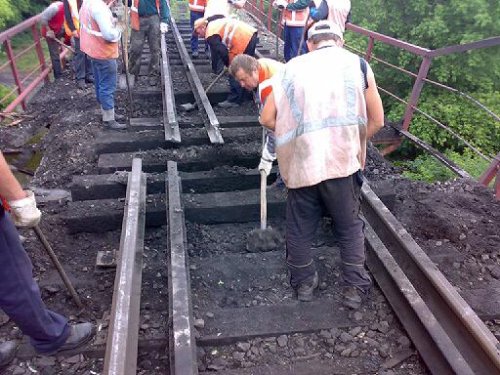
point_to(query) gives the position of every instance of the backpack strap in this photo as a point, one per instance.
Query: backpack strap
(364, 69)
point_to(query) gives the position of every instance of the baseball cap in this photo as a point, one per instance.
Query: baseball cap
(324, 27)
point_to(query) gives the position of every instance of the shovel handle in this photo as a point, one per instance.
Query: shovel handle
(263, 200)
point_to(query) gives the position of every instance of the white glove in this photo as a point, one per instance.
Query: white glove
(266, 161)
(50, 34)
(266, 166)
(24, 211)
(280, 4)
(163, 27)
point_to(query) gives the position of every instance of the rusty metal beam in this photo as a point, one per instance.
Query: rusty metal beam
(210, 119)
(182, 340)
(170, 123)
(469, 335)
(484, 43)
(122, 343)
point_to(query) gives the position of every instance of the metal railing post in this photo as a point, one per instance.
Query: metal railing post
(39, 49)
(15, 72)
(369, 49)
(412, 103)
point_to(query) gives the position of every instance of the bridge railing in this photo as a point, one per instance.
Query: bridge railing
(24, 84)
(263, 12)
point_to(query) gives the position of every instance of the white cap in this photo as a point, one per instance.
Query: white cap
(325, 27)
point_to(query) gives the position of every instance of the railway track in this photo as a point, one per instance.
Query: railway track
(192, 191)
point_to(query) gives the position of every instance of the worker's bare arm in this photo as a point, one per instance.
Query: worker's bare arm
(10, 188)
(374, 108)
(268, 114)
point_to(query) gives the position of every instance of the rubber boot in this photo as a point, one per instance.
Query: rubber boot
(108, 119)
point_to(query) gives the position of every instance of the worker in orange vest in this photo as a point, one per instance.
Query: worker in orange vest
(82, 66)
(99, 36)
(256, 74)
(196, 10)
(148, 18)
(294, 19)
(20, 298)
(52, 20)
(227, 38)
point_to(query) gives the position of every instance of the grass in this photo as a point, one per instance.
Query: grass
(27, 62)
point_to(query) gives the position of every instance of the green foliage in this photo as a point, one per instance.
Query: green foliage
(436, 24)
(426, 168)
(460, 115)
(14, 11)
(5, 90)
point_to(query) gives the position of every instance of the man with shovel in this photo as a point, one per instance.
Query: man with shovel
(227, 38)
(251, 74)
(52, 20)
(321, 133)
(20, 296)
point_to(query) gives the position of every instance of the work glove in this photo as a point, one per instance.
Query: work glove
(164, 27)
(266, 161)
(280, 4)
(50, 34)
(24, 211)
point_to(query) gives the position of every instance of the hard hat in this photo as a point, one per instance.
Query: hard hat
(324, 27)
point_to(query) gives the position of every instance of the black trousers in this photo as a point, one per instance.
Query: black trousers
(340, 197)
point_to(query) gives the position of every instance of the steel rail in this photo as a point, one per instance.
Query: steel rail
(170, 122)
(122, 342)
(208, 114)
(469, 335)
(182, 339)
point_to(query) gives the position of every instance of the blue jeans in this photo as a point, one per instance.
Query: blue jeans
(340, 197)
(194, 38)
(105, 82)
(292, 36)
(20, 296)
(82, 65)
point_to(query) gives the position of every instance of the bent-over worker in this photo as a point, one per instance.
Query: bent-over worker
(227, 38)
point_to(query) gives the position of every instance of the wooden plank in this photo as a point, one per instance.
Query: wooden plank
(109, 186)
(196, 158)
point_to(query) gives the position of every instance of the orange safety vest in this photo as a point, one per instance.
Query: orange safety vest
(91, 41)
(267, 69)
(134, 14)
(197, 5)
(74, 15)
(295, 18)
(235, 34)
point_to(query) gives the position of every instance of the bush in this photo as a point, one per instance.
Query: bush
(427, 168)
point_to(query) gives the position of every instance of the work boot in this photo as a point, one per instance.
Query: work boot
(7, 352)
(352, 297)
(228, 104)
(79, 335)
(306, 289)
(108, 119)
(194, 54)
(89, 79)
